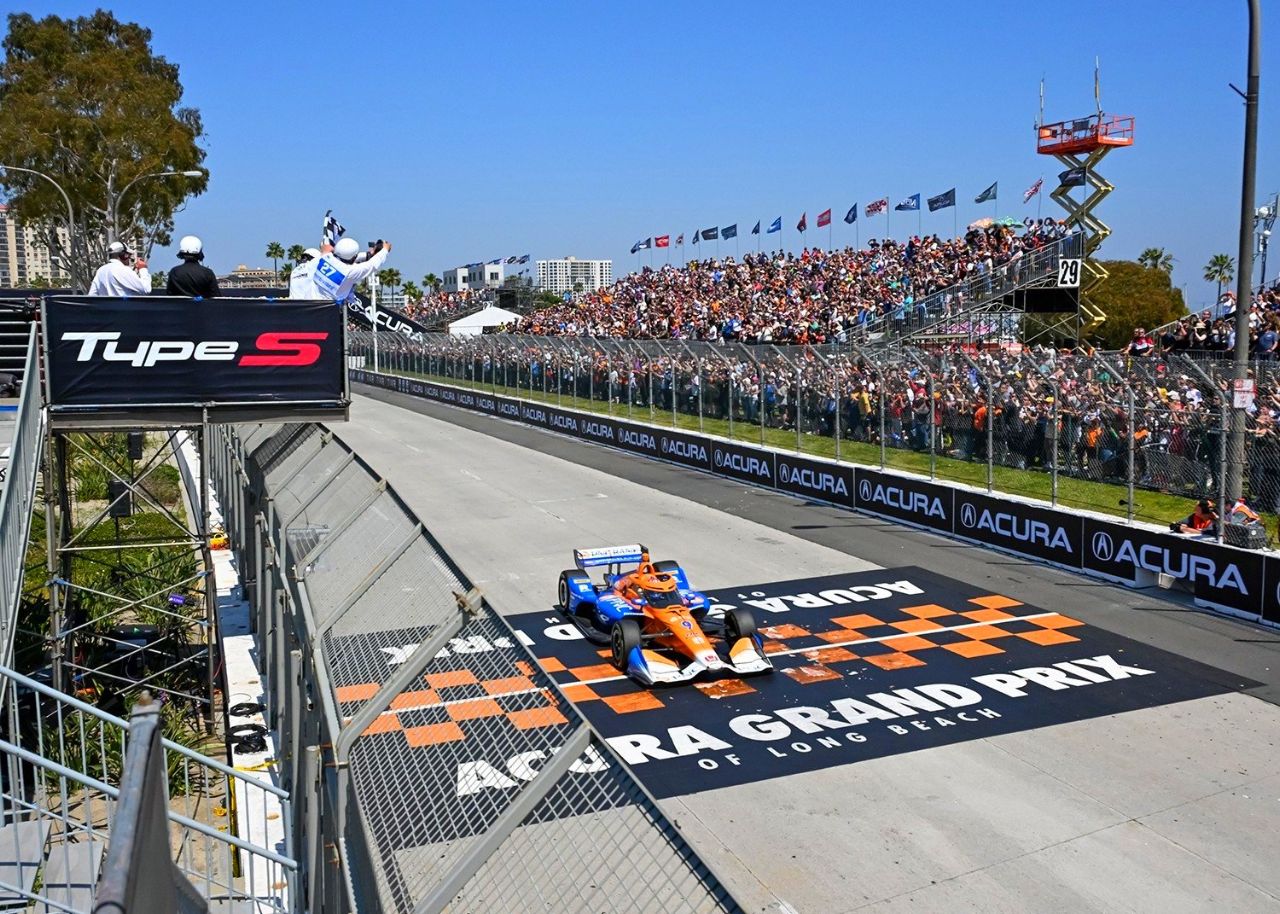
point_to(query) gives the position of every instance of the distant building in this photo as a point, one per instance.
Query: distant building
(570, 273)
(473, 276)
(23, 257)
(242, 277)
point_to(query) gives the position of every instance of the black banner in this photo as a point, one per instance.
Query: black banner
(1041, 532)
(1228, 577)
(904, 498)
(1271, 596)
(361, 314)
(749, 464)
(130, 353)
(815, 479)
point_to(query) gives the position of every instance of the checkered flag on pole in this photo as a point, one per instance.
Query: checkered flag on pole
(333, 229)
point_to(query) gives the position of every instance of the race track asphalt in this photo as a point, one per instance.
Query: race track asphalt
(1168, 808)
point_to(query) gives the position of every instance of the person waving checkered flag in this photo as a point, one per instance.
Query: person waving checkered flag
(333, 229)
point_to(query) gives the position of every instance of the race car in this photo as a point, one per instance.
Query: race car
(655, 624)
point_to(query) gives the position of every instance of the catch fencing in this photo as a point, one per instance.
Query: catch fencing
(1140, 439)
(433, 765)
(18, 493)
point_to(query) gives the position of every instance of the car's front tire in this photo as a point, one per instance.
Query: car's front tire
(738, 623)
(624, 636)
(568, 580)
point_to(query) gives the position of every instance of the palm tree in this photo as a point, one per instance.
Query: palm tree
(431, 281)
(295, 252)
(411, 291)
(275, 251)
(1156, 259)
(286, 273)
(1221, 268)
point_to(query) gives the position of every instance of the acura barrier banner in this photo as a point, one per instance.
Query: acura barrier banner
(665, 444)
(361, 314)
(912, 500)
(127, 353)
(1055, 536)
(1228, 577)
(815, 479)
(1271, 596)
(746, 463)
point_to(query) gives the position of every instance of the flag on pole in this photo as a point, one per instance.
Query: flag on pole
(1073, 177)
(988, 194)
(662, 241)
(524, 258)
(852, 216)
(495, 260)
(824, 218)
(756, 230)
(695, 237)
(910, 204)
(876, 207)
(1032, 190)
(803, 223)
(333, 229)
(680, 240)
(729, 231)
(642, 245)
(513, 259)
(710, 234)
(942, 201)
(774, 226)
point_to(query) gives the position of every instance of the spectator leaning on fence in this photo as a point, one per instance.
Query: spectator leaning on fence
(122, 274)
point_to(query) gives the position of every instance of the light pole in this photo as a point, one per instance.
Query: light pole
(1263, 220)
(1244, 278)
(114, 207)
(71, 215)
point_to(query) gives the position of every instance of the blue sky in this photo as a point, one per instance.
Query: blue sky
(466, 131)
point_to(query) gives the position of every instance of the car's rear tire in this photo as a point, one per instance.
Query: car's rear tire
(567, 580)
(738, 623)
(624, 636)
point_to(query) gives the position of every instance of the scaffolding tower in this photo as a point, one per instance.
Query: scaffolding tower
(1080, 145)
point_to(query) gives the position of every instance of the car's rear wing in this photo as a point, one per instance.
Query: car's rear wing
(608, 555)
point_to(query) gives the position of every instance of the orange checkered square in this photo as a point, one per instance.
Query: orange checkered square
(416, 699)
(508, 685)
(985, 632)
(723, 688)
(477, 707)
(362, 692)
(995, 601)
(987, 615)
(451, 678)
(1057, 620)
(830, 655)
(532, 718)
(807, 675)
(550, 664)
(635, 701)
(973, 648)
(908, 643)
(859, 621)
(916, 625)
(895, 661)
(599, 671)
(782, 632)
(433, 734)
(928, 611)
(383, 723)
(577, 691)
(1047, 636)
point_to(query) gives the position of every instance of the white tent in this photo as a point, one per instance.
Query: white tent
(474, 324)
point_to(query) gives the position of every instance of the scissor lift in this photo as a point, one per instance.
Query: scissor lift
(1083, 143)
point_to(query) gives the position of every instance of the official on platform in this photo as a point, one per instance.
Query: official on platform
(122, 274)
(191, 277)
(300, 284)
(337, 272)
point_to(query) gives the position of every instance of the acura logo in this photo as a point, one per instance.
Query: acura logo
(864, 490)
(968, 515)
(1103, 547)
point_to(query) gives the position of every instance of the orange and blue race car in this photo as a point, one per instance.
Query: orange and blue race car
(656, 625)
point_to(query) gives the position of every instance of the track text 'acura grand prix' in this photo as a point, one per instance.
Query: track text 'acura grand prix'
(656, 625)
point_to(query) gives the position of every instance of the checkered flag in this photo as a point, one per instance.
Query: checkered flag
(333, 229)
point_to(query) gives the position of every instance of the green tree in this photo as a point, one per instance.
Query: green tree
(1221, 269)
(390, 277)
(296, 252)
(275, 250)
(1135, 295)
(411, 291)
(86, 102)
(285, 274)
(159, 281)
(1156, 259)
(431, 281)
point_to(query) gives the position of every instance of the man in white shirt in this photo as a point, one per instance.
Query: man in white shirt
(300, 285)
(123, 274)
(337, 272)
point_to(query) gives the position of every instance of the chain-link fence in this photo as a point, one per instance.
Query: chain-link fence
(433, 765)
(1141, 439)
(21, 441)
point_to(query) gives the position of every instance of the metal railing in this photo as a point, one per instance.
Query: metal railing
(66, 766)
(1136, 438)
(434, 766)
(17, 495)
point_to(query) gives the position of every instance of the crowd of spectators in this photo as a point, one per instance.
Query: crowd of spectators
(1035, 409)
(438, 304)
(812, 297)
(1212, 332)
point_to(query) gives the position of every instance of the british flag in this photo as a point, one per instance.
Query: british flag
(1032, 190)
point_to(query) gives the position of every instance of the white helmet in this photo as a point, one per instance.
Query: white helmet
(346, 249)
(190, 244)
(117, 249)
(310, 254)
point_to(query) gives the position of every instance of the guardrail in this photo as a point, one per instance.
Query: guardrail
(433, 765)
(1237, 581)
(17, 495)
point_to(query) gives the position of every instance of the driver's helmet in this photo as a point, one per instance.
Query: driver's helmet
(660, 589)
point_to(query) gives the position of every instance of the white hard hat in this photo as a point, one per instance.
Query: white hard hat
(117, 248)
(346, 249)
(190, 244)
(310, 254)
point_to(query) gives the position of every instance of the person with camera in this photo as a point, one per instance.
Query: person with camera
(191, 277)
(1203, 520)
(339, 270)
(123, 274)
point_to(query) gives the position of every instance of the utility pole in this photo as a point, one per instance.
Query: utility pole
(1244, 279)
